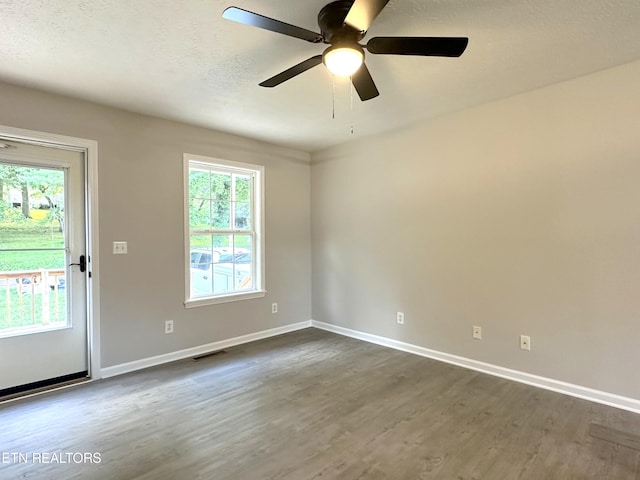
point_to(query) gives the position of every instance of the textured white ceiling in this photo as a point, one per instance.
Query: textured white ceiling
(182, 61)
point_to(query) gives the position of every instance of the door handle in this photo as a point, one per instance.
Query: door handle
(82, 263)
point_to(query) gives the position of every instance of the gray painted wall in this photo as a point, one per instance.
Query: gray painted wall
(141, 201)
(521, 216)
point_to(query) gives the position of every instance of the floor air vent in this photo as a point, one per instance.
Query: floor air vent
(207, 355)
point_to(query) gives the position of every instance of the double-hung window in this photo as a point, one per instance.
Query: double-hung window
(223, 230)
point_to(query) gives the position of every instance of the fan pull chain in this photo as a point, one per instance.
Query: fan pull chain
(333, 97)
(351, 99)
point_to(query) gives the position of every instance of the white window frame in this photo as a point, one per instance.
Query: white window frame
(257, 208)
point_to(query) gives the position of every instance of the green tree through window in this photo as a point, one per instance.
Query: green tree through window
(224, 231)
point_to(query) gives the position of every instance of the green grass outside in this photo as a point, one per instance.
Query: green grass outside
(31, 234)
(204, 241)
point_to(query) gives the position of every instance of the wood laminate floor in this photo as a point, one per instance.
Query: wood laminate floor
(312, 405)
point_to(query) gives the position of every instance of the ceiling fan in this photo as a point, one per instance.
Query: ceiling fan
(343, 24)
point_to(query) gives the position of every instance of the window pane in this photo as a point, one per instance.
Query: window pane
(201, 285)
(242, 243)
(223, 268)
(200, 242)
(200, 250)
(220, 187)
(221, 199)
(221, 215)
(199, 183)
(199, 216)
(223, 243)
(223, 278)
(243, 184)
(201, 260)
(242, 216)
(243, 260)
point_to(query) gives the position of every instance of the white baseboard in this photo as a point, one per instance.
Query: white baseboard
(199, 350)
(605, 398)
(613, 400)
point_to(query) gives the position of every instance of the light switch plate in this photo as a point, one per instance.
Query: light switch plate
(119, 248)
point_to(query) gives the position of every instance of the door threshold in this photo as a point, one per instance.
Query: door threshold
(43, 386)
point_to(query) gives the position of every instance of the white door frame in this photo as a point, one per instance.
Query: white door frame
(90, 147)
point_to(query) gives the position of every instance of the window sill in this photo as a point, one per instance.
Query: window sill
(234, 297)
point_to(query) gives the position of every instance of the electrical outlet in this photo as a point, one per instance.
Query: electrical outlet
(400, 318)
(168, 326)
(477, 332)
(525, 342)
(274, 308)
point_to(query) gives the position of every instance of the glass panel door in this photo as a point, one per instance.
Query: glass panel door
(32, 250)
(43, 326)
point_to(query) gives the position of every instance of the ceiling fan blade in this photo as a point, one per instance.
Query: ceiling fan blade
(292, 72)
(427, 46)
(256, 20)
(363, 13)
(363, 83)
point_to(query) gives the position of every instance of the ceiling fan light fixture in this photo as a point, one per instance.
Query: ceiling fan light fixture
(343, 61)
(343, 24)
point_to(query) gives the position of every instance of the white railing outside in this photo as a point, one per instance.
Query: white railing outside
(32, 297)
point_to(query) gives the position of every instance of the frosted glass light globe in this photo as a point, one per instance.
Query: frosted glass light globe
(343, 61)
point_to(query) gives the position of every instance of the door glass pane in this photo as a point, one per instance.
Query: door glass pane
(33, 293)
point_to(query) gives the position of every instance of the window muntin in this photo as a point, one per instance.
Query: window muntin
(224, 238)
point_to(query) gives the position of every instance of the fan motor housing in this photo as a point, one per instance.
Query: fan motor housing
(331, 23)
